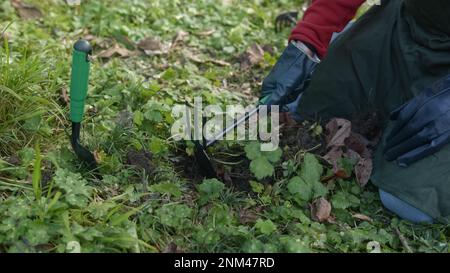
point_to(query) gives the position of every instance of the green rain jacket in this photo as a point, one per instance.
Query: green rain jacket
(386, 58)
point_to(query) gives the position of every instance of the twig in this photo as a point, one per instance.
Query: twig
(403, 241)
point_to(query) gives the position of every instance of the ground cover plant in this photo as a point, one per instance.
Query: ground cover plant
(310, 195)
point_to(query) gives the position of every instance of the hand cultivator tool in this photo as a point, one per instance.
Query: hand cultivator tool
(78, 92)
(285, 19)
(204, 163)
(289, 18)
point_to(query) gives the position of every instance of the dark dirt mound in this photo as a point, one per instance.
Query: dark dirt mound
(141, 160)
(369, 126)
(233, 167)
(299, 136)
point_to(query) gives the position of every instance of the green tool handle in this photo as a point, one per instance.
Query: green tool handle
(79, 79)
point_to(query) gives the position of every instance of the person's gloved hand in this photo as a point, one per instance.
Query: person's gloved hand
(422, 125)
(290, 75)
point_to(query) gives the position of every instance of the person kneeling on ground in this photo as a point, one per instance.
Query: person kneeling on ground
(395, 61)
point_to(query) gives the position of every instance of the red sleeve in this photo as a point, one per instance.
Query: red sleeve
(322, 19)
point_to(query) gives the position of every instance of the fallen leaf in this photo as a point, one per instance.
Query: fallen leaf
(194, 58)
(219, 62)
(362, 217)
(333, 156)
(252, 56)
(26, 11)
(363, 171)
(359, 144)
(178, 38)
(247, 216)
(115, 50)
(172, 248)
(152, 46)
(89, 37)
(206, 32)
(338, 131)
(64, 96)
(320, 210)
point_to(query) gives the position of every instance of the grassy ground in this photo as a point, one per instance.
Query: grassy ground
(150, 199)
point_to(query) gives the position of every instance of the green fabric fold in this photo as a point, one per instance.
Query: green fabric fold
(387, 57)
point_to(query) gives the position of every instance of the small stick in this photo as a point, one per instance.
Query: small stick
(403, 241)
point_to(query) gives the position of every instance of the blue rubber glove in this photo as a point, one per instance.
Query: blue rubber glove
(290, 75)
(422, 125)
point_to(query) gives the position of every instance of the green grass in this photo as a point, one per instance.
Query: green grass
(49, 203)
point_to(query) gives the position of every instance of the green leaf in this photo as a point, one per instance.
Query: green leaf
(210, 189)
(311, 169)
(37, 233)
(167, 188)
(252, 150)
(343, 200)
(75, 188)
(169, 74)
(273, 156)
(138, 118)
(299, 188)
(153, 115)
(261, 168)
(257, 187)
(266, 227)
(157, 146)
(174, 215)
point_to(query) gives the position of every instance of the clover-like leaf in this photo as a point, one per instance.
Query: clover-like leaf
(253, 150)
(300, 188)
(261, 168)
(210, 189)
(273, 156)
(266, 227)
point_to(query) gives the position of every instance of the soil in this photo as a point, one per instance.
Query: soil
(298, 136)
(294, 137)
(369, 126)
(141, 160)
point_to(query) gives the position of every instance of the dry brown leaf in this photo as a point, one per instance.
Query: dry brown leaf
(90, 37)
(362, 217)
(178, 38)
(338, 131)
(26, 11)
(254, 55)
(333, 156)
(363, 170)
(115, 50)
(193, 57)
(172, 248)
(152, 46)
(219, 62)
(64, 96)
(206, 32)
(359, 144)
(340, 138)
(247, 216)
(320, 210)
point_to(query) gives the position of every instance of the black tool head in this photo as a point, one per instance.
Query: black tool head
(205, 165)
(83, 154)
(286, 19)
